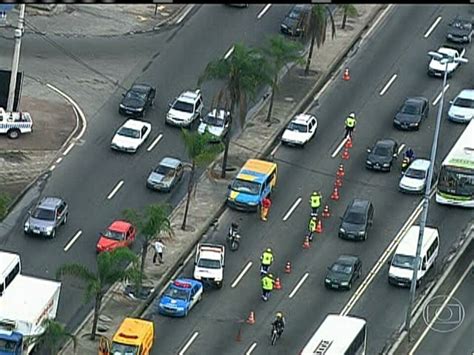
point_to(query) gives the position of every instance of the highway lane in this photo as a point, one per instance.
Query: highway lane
(91, 170)
(220, 315)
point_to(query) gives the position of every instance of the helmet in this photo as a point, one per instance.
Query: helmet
(270, 276)
(314, 218)
(353, 115)
(269, 250)
(314, 193)
(279, 315)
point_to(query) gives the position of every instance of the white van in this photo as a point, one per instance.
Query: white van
(400, 272)
(10, 267)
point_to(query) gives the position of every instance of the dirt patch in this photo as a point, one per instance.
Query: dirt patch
(13, 157)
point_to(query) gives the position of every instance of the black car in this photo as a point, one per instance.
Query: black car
(382, 154)
(357, 219)
(344, 272)
(411, 113)
(137, 100)
(460, 31)
(293, 23)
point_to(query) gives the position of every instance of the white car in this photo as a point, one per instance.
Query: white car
(462, 107)
(300, 130)
(209, 263)
(415, 177)
(437, 68)
(186, 108)
(131, 135)
(217, 123)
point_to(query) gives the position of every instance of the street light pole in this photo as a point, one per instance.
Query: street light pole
(16, 58)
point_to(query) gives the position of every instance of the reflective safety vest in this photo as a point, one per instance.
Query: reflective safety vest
(267, 258)
(315, 201)
(267, 283)
(312, 225)
(350, 122)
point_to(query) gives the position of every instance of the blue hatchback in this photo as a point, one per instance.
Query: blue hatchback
(179, 297)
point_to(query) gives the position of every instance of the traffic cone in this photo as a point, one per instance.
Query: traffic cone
(338, 182)
(345, 154)
(277, 284)
(306, 244)
(348, 143)
(346, 75)
(251, 318)
(326, 212)
(319, 227)
(335, 194)
(288, 267)
(340, 171)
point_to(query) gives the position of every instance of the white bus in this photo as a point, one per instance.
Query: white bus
(456, 176)
(338, 335)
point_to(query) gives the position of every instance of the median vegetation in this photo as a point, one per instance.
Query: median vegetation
(4, 203)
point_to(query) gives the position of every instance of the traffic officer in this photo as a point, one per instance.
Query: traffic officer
(315, 202)
(266, 203)
(267, 260)
(313, 222)
(267, 286)
(350, 124)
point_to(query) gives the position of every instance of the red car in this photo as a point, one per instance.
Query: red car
(118, 234)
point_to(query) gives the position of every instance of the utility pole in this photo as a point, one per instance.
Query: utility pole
(16, 58)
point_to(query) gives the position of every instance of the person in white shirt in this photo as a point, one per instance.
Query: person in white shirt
(159, 246)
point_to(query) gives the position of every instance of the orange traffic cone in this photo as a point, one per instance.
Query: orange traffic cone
(338, 182)
(288, 267)
(335, 194)
(326, 212)
(277, 284)
(345, 154)
(251, 318)
(348, 143)
(319, 227)
(346, 75)
(306, 244)
(340, 171)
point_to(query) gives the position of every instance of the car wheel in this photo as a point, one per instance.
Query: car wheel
(13, 133)
(53, 233)
(65, 218)
(350, 285)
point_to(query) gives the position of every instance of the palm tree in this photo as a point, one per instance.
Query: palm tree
(280, 52)
(53, 336)
(316, 27)
(349, 11)
(152, 222)
(201, 152)
(110, 269)
(243, 73)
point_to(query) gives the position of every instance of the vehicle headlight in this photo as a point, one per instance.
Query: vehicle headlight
(414, 124)
(284, 26)
(344, 283)
(450, 35)
(140, 109)
(386, 165)
(361, 233)
(180, 308)
(327, 280)
(368, 162)
(342, 230)
(49, 229)
(122, 106)
(27, 225)
(252, 203)
(396, 121)
(465, 38)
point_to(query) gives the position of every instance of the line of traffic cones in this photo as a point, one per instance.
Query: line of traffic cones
(288, 267)
(348, 143)
(340, 171)
(306, 244)
(335, 194)
(319, 227)
(345, 154)
(338, 182)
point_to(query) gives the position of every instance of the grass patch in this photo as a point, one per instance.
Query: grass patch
(5, 200)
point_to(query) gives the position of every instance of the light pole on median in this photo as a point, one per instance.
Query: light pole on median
(426, 198)
(16, 58)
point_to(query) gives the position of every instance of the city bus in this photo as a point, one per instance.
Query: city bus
(338, 335)
(456, 176)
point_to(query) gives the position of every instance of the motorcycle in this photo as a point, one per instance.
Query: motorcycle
(233, 239)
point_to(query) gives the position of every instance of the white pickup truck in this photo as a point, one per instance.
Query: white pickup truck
(437, 68)
(209, 263)
(13, 124)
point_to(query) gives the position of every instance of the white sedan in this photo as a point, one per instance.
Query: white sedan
(415, 177)
(131, 135)
(300, 130)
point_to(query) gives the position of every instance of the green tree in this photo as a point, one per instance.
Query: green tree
(243, 72)
(110, 269)
(279, 52)
(201, 152)
(4, 202)
(53, 336)
(316, 28)
(149, 223)
(349, 10)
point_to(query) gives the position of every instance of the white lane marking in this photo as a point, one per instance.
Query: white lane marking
(433, 26)
(229, 52)
(374, 26)
(339, 147)
(114, 191)
(292, 208)
(390, 82)
(184, 15)
(303, 279)
(243, 272)
(440, 309)
(264, 10)
(59, 160)
(381, 262)
(272, 153)
(435, 102)
(52, 167)
(400, 148)
(66, 152)
(155, 142)
(188, 344)
(73, 240)
(252, 348)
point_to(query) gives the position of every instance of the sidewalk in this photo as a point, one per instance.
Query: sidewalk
(256, 140)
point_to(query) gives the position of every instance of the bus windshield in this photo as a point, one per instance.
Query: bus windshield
(456, 181)
(248, 187)
(124, 349)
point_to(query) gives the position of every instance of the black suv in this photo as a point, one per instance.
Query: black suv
(460, 31)
(137, 100)
(357, 219)
(294, 21)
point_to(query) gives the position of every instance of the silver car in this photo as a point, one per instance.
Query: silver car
(47, 216)
(415, 177)
(166, 175)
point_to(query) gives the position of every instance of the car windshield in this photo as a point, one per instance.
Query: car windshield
(248, 187)
(466, 103)
(354, 218)
(114, 235)
(411, 109)
(129, 132)
(297, 127)
(342, 268)
(403, 261)
(136, 95)
(44, 214)
(209, 263)
(176, 293)
(213, 120)
(456, 181)
(123, 349)
(183, 106)
(164, 170)
(382, 151)
(415, 173)
(461, 25)
(295, 13)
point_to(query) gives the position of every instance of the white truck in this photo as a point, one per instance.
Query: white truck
(209, 263)
(437, 68)
(14, 124)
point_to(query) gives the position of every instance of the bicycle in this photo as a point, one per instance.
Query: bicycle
(275, 335)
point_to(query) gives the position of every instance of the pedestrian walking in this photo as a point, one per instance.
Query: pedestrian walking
(265, 207)
(159, 246)
(267, 286)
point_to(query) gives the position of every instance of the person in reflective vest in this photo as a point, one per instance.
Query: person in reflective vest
(350, 124)
(267, 286)
(315, 202)
(266, 260)
(313, 222)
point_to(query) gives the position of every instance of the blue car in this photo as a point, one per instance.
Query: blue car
(179, 297)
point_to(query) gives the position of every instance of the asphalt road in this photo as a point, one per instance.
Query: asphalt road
(398, 47)
(171, 60)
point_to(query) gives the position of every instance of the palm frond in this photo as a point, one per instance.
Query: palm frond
(76, 270)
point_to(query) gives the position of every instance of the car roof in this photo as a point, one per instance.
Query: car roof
(385, 142)
(221, 113)
(346, 259)
(358, 204)
(140, 87)
(170, 162)
(466, 94)
(50, 202)
(302, 118)
(119, 226)
(135, 124)
(415, 100)
(420, 164)
(189, 96)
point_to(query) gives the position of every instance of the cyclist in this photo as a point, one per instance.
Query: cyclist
(279, 323)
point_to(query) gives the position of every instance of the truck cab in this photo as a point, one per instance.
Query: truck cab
(133, 337)
(209, 263)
